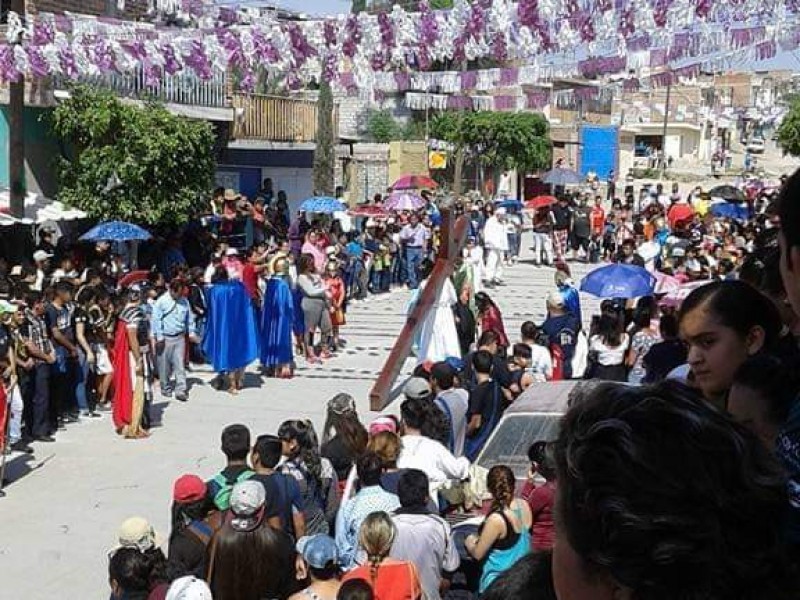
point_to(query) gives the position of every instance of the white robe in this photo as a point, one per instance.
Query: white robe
(494, 235)
(438, 338)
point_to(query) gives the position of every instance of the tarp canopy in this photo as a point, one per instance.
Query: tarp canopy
(37, 210)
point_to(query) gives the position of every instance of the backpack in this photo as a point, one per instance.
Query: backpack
(223, 488)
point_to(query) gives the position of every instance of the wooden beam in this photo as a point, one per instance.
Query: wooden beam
(454, 235)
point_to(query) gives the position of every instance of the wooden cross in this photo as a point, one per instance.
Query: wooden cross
(453, 236)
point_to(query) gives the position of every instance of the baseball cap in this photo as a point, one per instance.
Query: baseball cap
(231, 252)
(417, 387)
(247, 505)
(188, 588)
(500, 211)
(41, 255)
(319, 551)
(554, 298)
(136, 532)
(188, 488)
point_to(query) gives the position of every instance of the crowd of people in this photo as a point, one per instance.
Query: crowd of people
(640, 475)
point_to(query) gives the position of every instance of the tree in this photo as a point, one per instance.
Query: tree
(129, 163)
(381, 127)
(789, 130)
(501, 140)
(324, 155)
(357, 6)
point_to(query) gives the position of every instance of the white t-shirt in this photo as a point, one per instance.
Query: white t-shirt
(433, 459)
(606, 355)
(541, 361)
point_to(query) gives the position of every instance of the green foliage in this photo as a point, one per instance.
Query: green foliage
(357, 6)
(789, 131)
(381, 127)
(503, 140)
(163, 163)
(324, 153)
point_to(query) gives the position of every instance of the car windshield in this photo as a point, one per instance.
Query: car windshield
(510, 442)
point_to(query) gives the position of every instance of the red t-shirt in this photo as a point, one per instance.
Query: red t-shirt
(395, 580)
(250, 280)
(598, 220)
(541, 500)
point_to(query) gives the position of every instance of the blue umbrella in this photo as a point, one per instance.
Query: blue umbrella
(727, 210)
(115, 231)
(321, 204)
(619, 281)
(562, 177)
(509, 204)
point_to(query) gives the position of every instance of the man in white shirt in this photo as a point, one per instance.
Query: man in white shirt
(423, 538)
(454, 403)
(425, 454)
(495, 242)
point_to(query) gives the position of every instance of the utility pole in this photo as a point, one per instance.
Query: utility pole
(664, 132)
(16, 134)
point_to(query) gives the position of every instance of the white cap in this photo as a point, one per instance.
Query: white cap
(500, 211)
(231, 252)
(189, 588)
(41, 255)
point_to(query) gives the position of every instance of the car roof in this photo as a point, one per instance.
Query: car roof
(547, 397)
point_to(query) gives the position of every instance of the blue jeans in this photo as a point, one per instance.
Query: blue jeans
(82, 374)
(413, 258)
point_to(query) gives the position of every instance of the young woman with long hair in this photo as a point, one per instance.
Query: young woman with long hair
(389, 579)
(504, 537)
(490, 318)
(315, 475)
(724, 323)
(609, 346)
(344, 438)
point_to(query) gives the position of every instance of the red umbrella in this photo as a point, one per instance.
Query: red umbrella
(414, 182)
(371, 211)
(132, 277)
(540, 202)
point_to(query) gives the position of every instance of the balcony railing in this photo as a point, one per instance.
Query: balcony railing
(183, 88)
(276, 118)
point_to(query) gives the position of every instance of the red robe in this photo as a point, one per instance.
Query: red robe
(123, 386)
(491, 320)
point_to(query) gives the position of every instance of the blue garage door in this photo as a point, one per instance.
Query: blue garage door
(599, 149)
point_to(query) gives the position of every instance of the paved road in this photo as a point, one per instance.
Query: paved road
(65, 503)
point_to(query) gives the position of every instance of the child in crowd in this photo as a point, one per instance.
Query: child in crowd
(520, 367)
(541, 363)
(335, 288)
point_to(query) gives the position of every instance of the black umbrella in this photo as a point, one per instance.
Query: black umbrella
(727, 192)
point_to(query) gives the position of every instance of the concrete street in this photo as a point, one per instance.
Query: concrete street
(63, 507)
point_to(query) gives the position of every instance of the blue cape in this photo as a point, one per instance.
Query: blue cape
(230, 340)
(277, 319)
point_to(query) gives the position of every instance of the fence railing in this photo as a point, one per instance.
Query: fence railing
(182, 88)
(275, 118)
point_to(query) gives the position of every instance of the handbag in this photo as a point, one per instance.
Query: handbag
(592, 362)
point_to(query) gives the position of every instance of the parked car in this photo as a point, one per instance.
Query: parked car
(756, 146)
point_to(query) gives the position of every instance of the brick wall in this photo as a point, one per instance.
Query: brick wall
(353, 112)
(133, 8)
